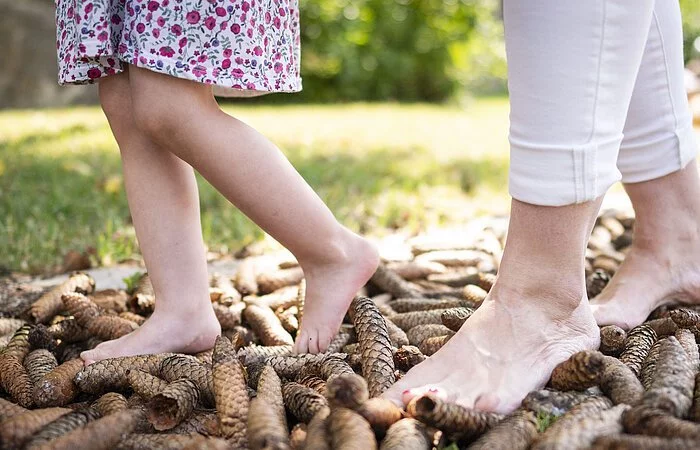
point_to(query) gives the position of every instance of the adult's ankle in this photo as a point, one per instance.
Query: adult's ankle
(562, 292)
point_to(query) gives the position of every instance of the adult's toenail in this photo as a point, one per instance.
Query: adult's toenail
(406, 391)
(433, 390)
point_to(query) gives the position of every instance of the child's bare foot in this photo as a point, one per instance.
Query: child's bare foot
(663, 265)
(508, 348)
(168, 331)
(330, 287)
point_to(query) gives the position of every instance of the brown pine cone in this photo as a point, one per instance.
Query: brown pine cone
(110, 403)
(350, 431)
(173, 404)
(375, 346)
(50, 304)
(407, 434)
(38, 363)
(231, 393)
(57, 387)
(302, 401)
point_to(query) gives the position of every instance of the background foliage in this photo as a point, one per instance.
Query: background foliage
(409, 50)
(412, 50)
(691, 26)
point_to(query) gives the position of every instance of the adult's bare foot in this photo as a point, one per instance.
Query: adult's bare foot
(506, 349)
(330, 287)
(536, 316)
(171, 331)
(663, 264)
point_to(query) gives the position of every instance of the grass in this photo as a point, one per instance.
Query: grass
(544, 421)
(378, 167)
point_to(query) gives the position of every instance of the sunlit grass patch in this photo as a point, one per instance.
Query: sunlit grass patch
(378, 167)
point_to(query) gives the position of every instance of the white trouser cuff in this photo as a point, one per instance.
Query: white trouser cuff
(558, 175)
(656, 158)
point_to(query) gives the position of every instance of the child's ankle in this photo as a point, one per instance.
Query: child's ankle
(339, 248)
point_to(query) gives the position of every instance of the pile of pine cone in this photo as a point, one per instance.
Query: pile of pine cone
(250, 391)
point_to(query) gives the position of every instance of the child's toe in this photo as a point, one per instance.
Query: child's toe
(301, 345)
(312, 339)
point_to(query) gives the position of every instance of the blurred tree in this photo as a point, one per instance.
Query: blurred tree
(691, 27)
(407, 50)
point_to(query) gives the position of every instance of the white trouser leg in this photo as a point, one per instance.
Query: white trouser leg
(572, 66)
(659, 130)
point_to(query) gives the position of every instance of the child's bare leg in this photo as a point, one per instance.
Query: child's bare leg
(252, 173)
(164, 207)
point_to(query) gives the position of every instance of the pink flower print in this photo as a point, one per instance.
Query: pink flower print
(110, 71)
(226, 63)
(237, 73)
(257, 51)
(116, 20)
(143, 60)
(167, 51)
(153, 5)
(221, 12)
(235, 28)
(156, 33)
(88, 9)
(102, 37)
(237, 86)
(165, 3)
(245, 6)
(210, 22)
(140, 28)
(111, 61)
(282, 12)
(192, 17)
(277, 23)
(261, 29)
(239, 60)
(223, 25)
(268, 17)
(160, 21)
(183, 42)
(202, 58)
(176, 30)
(199, 71)
(250, 85)
(249, 32)
(70, 12)
(278, 67)
(228, 53)
(243, 16)
(94, 73)
(122, 48)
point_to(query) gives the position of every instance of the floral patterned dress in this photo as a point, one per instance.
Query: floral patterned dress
(251, 46)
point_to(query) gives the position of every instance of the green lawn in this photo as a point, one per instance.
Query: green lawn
(379, 167)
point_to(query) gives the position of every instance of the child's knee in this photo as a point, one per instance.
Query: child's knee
(163, 106)
(156, 118)
(115, 99)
